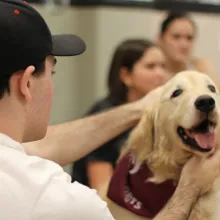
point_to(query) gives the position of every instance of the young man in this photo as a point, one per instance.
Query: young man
(33, 188)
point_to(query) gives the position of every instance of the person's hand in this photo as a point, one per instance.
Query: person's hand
(152, 97)
(199, 173)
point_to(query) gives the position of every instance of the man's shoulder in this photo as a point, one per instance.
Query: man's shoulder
(45, 190)
(33, 167)
(31, 171)
(23, 179)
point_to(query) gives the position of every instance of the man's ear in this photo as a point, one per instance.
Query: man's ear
(25, 82)
(141, 140)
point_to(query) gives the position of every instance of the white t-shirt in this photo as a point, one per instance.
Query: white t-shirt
(32, 188)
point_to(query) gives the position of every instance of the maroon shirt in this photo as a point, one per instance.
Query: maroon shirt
(132, 192)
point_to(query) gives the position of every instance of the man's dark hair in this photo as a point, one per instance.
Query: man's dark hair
(5, 80)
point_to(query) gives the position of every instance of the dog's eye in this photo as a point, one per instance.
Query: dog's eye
(211, 88)
(176, 93)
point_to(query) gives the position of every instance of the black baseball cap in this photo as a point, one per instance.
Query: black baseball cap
(25, 38)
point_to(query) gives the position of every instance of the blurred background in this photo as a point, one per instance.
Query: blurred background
(103, 24)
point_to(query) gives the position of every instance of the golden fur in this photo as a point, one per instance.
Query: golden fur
(155, 140)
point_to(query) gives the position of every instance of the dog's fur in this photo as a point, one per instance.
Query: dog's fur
(155, 140)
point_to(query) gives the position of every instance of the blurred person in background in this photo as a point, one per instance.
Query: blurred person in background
(137, 67)
(177, 36)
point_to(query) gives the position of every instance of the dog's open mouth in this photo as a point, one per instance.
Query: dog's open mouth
(201, 137)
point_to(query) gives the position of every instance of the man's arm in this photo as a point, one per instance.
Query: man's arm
(65, 143)
(68, 142)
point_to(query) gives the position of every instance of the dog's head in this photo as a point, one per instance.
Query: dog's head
(183, 122)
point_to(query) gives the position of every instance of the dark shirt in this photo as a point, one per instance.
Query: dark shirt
(108, 152)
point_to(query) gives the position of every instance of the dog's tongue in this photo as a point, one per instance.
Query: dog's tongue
(205, 140)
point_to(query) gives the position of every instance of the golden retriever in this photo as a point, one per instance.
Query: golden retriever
(184, 121)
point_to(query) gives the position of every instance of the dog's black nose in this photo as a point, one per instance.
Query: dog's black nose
(205, 103)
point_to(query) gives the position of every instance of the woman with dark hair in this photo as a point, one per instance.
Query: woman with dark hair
(137, 67)
(177, 36)
(120, 77)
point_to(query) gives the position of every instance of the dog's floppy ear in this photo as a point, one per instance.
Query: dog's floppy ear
(141, 140)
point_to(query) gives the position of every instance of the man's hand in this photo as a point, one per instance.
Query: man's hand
(149, 99)
(197, 177)
(201, 172)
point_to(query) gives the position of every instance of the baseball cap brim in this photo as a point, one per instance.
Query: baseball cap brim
(67, 45)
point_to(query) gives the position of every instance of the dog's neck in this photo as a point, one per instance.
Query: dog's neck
(165, 164)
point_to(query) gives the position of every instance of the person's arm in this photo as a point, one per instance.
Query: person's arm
(101, 162)
(180, 205)
(68, 142)
(98, 173)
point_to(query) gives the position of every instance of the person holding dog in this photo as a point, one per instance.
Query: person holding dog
(34, 187)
